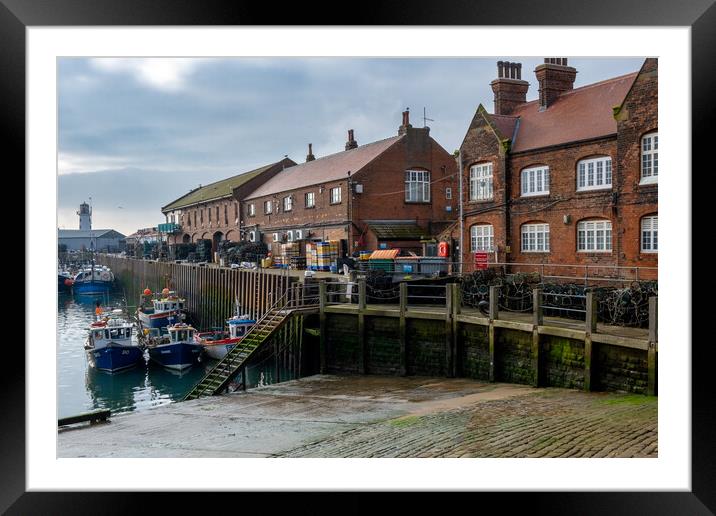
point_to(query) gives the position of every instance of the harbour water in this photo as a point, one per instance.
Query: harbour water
(82, 388)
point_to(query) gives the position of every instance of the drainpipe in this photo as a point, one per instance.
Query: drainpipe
(462, 223)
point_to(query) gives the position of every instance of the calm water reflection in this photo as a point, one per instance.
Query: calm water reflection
(82, 388)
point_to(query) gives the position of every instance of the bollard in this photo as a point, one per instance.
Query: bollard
(361, 295)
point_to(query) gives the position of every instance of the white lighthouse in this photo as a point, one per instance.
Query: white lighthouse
(85, 214)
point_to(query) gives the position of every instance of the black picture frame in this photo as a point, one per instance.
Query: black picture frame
(700, 15)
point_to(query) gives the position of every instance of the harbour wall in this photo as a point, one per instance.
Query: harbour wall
(384, 345)
(360, 339)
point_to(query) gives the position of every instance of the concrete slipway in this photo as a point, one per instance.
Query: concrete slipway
(374, 416)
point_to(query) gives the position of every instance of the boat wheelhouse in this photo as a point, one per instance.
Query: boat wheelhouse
(96, 279)
(177, 350)
(110, 346)
(218, 343)
(166, 309)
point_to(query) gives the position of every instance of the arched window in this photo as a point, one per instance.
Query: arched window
(481, 182)
(649, 158)
(649, 234)
(535, 181)
(594, 236)
(535, 238)
(482, 238)
(594, 173)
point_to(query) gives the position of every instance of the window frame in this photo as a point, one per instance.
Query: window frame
(540, 228)
(448, 193)
(339, 196)
(607, 170)
(489, 237)
(474, 178)
(313, 199)
(251, 210)
(287, 203)
(532, 172)
(653, 153)
(421, 179)
(594, 236)
(268, 204)
(653, 231)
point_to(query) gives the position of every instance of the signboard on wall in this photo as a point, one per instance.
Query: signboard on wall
(480, 260)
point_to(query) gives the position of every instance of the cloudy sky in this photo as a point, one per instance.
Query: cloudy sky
(135, 134)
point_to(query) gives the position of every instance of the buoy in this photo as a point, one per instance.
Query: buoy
(147, 292)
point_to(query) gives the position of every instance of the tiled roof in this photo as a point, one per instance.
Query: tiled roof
(397, 231)
(579, 114)
(215, 190)
(505, 124)
(329, 168)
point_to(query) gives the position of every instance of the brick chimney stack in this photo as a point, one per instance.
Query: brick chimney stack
(351, 143)
(310, 156)
(509, 88)
(554, 78)
(406, 122)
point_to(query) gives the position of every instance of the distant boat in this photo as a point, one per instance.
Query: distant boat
(64, 281)
(96, 279)
(109, 344)
(218, 343)
(166, 309)
(177, 350)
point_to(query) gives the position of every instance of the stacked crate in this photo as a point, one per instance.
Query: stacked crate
(311, 256)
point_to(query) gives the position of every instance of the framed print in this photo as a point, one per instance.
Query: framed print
(531, 175)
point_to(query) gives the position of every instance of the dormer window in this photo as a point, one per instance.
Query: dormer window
(649, 158)
(594, 173)
(535, 181)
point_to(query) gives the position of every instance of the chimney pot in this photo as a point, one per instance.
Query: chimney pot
(509, 88)
(310, 156)
(351, 143)
(406, 122)
(554, 78)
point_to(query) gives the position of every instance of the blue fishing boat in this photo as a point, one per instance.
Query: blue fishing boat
(110, 346)
(176, 350)
(96, 279)
(165, 309)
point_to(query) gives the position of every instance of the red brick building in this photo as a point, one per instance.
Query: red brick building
(211, 211)
(570, 178)
(389, 193)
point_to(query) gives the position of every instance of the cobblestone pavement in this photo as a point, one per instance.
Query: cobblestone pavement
(547, 423)
(379, 416)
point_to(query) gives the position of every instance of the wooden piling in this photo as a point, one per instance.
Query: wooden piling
(322, 320)
(651, 358)
(362, 341)
(402, 329)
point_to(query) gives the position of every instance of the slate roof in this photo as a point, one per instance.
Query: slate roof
(217, 190)
(94, 233)
(333, 167)
(579, 114)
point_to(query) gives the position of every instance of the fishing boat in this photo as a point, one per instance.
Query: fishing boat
(64, 281)
(165, 309)
(177, 349)
(109, 344)
(95, 279)
(217, 344)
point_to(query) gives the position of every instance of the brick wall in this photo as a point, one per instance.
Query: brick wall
(624, 204)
